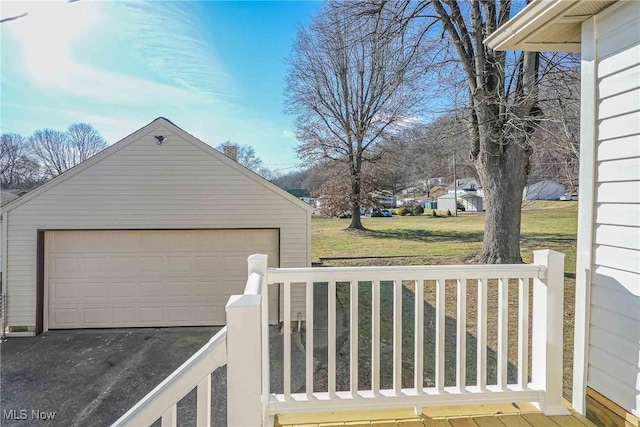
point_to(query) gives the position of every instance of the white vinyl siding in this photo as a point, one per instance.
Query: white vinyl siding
(176, 185)
(614, 337)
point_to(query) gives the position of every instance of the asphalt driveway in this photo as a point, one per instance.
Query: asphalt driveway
(92, 377)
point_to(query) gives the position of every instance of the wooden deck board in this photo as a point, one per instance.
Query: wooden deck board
(510, 415)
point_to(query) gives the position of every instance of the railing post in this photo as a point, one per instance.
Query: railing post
(547, 334)
(244, 364)
(259, 263)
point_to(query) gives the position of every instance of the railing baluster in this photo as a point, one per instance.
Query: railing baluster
(482, 335)
(203, 402)
(375, 336)
(440, 324)
(309, 341)
(461, 336)
(419, 337)
(170, 416)
(331, 331)
(397, 336)
(353, 338)
(286, 331)
(503, 331)
(523, 334)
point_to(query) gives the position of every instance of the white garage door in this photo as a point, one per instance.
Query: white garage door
(98, 279)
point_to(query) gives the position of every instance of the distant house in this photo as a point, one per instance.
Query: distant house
(466, 185)
(543, 189)
(469, 194)
(385, 198)
(304, 195)
(417, 189)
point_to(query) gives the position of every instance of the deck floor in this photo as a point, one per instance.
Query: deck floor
(516, 415)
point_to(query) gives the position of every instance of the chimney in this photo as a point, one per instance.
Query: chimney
(231, 151)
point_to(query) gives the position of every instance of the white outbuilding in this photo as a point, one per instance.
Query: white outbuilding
(153, 231)
(543, 189)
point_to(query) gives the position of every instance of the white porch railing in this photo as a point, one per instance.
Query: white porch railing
(244, 344)
(545, 389)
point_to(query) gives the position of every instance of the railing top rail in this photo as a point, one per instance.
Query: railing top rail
(177, 385)
(254, 284)
(424, 272)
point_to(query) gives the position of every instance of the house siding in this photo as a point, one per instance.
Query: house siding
(614, 333)
(176, 185)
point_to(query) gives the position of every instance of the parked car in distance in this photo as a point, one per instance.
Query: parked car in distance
(460, 206)
(377, 213)
(345, 214)
(569, 197)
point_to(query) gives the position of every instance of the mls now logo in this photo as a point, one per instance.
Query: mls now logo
(23, 414)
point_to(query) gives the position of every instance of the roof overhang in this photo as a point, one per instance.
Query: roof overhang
(546, 26)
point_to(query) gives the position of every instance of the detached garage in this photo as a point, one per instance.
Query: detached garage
(150, 232)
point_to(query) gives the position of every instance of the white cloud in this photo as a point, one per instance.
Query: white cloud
(162, 35)
(288, 134)
(170, 38)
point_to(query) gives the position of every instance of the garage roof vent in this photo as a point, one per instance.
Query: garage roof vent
(231, 151)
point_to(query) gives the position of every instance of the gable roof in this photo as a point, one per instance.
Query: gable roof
(537, 180)
(135, 136)
(462, 182)
(546, 26)
(299, 192)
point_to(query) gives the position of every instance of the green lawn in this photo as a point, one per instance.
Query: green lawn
(445, 240)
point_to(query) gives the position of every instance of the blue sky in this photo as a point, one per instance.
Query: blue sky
(214, 68)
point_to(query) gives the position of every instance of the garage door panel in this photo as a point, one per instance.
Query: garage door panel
(123, 241)
(178, 263)
(123, 291)
(123, 265)
(177, 289)
(65, 266)
(204, 242)
(153, 242)
(92, 291)
(204, 288)
(151, 289)
(151, 315)
(64, 290)
(205, 264)
(96, 316)
(123, 315)
(151, 264)
(148, 277)
(93, 266)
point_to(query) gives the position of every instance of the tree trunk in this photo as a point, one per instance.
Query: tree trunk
(503, 179)
(356, 223)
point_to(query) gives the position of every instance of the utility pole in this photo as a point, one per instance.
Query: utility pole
(455, 185)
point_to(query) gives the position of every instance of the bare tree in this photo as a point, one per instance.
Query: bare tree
(84, 141)
(502, 107)
(556, 142)
(17, 169)
(58, 151)
(50, 148)
(246, 156)
(334, 195)
(350, 82)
